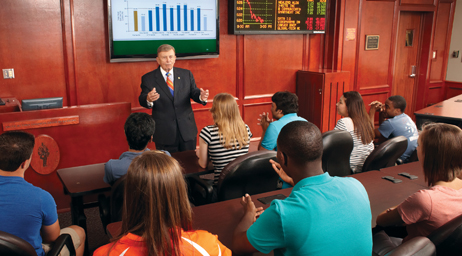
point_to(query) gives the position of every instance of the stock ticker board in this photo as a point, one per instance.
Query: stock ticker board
(278, 16)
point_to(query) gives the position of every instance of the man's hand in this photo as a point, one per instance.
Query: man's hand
(204, 95)
(249, 207)
(264, 121)
(377, 106)
(153, 95)
(277, 167)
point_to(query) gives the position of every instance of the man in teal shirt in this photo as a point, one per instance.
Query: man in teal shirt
(323, 215)
(284, 109)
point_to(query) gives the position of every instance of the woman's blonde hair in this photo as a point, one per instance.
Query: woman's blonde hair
(156, 205)
(231, 128)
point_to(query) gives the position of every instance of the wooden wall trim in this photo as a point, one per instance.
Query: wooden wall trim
(448, 38)
(68, 54)
(258, 96)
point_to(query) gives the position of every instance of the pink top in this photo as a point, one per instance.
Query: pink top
(427, 210)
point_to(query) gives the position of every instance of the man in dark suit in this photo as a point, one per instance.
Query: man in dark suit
(167, 91)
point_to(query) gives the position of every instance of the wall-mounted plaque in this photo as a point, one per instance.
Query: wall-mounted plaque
(372, 42)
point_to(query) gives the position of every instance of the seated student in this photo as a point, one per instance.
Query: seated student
(356, 121)
(397, 124)
(438, 150)
(156, 218)
(284, 109)
(225, 140)
(139, 129)
(27, 211)
(323, 215)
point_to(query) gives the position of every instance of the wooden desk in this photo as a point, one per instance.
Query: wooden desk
(88, 180)
(448, 111)
(384, 194)
(221, 218)
(414, 168)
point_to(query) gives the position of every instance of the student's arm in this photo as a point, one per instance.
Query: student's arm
(50, 233)
(378, 136)
(389, 217)
(264, 122)
(202, 153)
(241, 244)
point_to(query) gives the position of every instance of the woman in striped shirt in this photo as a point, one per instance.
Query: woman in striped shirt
(356, 121)
(225, 140)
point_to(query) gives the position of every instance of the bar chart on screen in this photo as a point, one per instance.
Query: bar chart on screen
(164, 20)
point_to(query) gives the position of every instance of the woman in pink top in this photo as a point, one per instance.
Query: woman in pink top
(438, 149)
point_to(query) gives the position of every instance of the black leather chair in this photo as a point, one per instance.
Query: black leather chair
(251, 173)
(386, 154)
(417, 246)
(110, 208)
(448, 238)
(337, 147)
(13, 245)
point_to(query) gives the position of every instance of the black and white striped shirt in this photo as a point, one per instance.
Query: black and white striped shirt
(218, 154)
(360, 151)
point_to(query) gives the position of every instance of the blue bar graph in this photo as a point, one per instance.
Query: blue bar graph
(150, 20)
(185, 11)
(192, 20)
(165, 16)
(157, 19)
(205, 23)
(143, 23)
(171, 20)
(198, 19)
(178, 18)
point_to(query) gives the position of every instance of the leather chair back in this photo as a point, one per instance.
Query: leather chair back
(251, 173)
(117, 199)
(448, 238)
(13, 245)
(417, 246)
(337, 147)
(386, 154)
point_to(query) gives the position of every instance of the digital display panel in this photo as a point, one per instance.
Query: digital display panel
(277, 16)
(138, 27)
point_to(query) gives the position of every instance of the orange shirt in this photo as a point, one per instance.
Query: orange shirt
(195, 243)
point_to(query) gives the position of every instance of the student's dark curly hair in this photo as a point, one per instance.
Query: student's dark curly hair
(139, 128)
(286, 101)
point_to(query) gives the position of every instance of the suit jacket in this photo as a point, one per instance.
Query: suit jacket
(170, 112)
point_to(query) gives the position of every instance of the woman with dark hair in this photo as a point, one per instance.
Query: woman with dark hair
(225, 140)
(356, 121)
(439, 147)
(156, 217)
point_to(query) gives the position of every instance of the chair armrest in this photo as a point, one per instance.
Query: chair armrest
(64, 239)
(194, 179)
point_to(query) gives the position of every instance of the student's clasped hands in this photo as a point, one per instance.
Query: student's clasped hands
(377, 105)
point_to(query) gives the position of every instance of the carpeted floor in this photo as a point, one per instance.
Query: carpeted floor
(95, 233)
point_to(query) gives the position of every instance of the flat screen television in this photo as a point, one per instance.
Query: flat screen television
(138, 27)
(277, 17)
(43, 103)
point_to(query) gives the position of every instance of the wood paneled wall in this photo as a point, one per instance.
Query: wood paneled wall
(374, 70)
(61, 49)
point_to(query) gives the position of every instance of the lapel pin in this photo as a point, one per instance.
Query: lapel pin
(178, 77)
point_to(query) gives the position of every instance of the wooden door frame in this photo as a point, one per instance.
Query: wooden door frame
(422, 58)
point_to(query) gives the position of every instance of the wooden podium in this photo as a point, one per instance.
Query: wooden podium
(318, 92)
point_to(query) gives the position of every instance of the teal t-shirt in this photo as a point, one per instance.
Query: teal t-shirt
(323, 215)
(269, 142)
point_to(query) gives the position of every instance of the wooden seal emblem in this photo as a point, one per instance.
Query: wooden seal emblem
(46, 156)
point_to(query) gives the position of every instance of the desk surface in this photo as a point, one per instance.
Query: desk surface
(221, 218)
(88, 179)
(449, 108)
(414, 168)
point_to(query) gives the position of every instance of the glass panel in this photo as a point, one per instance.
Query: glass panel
(409, 37)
